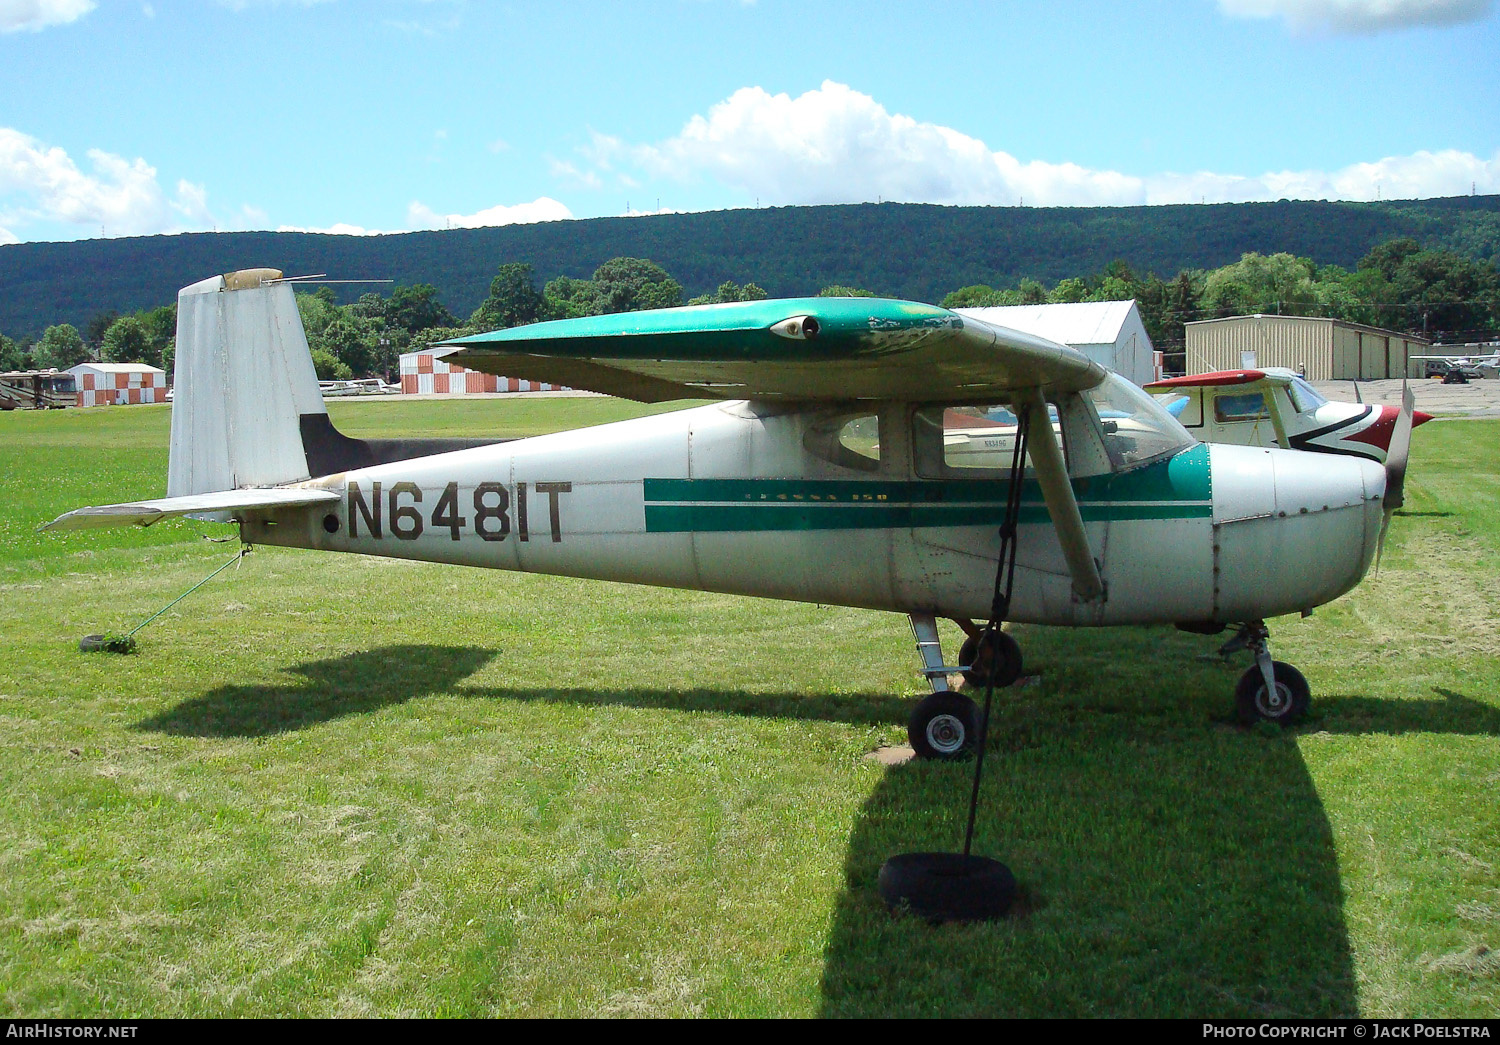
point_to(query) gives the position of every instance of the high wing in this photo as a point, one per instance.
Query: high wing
(796, 349)
(1220, 377)
(144, 513)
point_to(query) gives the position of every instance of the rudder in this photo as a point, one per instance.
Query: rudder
(243, 381)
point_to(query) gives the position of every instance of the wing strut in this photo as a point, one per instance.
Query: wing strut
(1052, 475)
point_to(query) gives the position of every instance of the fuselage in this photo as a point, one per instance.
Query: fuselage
(860, 506)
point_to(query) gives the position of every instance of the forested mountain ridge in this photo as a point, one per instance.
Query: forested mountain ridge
(916, 251)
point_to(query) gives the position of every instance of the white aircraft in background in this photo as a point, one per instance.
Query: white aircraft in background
(1466, 366)
(1274, 406)
(844, 464)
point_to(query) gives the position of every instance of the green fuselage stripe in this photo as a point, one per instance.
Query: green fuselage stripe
(1175, 489)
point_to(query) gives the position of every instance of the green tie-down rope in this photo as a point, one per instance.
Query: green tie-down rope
(126, 643)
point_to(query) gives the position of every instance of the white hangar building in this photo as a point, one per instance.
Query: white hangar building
(427, 373)
(111, 384)
(1108, 332)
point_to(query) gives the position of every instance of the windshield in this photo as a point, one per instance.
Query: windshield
(1304, 396)
(1136, 429)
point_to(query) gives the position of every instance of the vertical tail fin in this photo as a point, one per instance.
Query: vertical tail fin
(243, 381)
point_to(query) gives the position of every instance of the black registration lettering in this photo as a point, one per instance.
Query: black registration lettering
(492, 505)
(400, 513)
(552, 490)
(359, 509)
(483, 512)
(445, 512)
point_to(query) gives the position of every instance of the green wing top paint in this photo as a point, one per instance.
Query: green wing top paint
(848, 327)
(863, 348)
(1177, 488)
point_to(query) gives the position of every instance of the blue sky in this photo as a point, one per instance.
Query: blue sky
(128, 118)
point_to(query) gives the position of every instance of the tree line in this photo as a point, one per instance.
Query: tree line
(1399, 285)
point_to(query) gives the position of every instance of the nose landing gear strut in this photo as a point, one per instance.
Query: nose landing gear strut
(1270, 690)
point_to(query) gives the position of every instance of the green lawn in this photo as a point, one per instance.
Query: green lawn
(335, 786)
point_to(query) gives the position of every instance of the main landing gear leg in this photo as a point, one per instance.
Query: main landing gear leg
(1270, 691)
(942, 726)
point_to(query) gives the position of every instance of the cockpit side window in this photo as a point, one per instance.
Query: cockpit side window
(1246, 406)
(847, 440)
(969, 442)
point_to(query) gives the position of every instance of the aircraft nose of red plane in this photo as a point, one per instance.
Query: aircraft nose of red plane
(1380, 432)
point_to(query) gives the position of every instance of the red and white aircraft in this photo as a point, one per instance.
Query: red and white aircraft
(1277, 407)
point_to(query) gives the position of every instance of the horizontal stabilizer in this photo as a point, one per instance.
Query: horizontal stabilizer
(144, 513)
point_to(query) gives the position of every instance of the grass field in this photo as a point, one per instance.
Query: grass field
(334, 786)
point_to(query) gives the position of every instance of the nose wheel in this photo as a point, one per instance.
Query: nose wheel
(1284, 702)
(1271, 690)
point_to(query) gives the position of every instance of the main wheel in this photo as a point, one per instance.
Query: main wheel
(948, 887)
(1288, 704)
(997, 661)
(942, 726)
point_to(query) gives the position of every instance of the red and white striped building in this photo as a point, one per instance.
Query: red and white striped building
(116, 384)
(422, 373)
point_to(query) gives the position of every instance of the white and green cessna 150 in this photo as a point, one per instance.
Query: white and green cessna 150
(863, 454)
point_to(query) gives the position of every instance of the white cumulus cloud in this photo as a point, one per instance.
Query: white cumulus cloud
(837, 145)
(41, 183)
(338, 228)
(1422, 175)
(1360, 16)
(568, 172)
(421, 216)
(543, 208)
(16, 15)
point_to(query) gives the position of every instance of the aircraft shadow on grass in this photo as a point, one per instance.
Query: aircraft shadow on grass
(358, 683)
(1169, 872)
(1452, 713)
(853, 708)
(353, 684)
(1167, 868)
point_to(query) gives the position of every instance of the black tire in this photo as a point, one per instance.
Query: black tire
(1293, 696)
(998, 659)
(942, 727)
(948, 887)
(106, 644)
